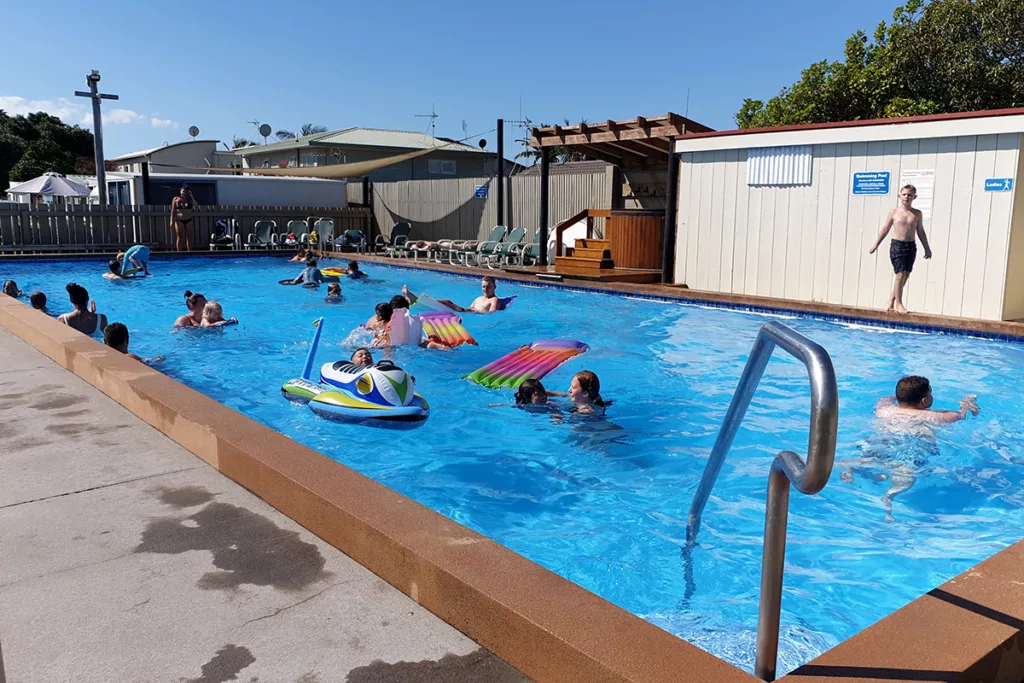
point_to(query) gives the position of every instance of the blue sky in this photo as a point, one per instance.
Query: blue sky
(219, 64)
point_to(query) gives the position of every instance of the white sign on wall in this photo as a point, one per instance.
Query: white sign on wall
(924, 181)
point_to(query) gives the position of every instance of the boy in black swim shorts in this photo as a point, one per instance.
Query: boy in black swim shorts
(905, 223)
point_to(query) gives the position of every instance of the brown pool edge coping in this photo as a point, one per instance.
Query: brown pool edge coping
(971, 629)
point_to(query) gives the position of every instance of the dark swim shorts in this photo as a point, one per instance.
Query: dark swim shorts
(902, 253)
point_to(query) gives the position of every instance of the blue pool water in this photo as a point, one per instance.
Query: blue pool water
(603, 502)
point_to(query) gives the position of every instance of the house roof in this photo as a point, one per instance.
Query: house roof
(363, 137)
(989, 122)
(147, 152)
(572, 167)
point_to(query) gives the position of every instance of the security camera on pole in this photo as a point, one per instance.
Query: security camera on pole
(93, 80)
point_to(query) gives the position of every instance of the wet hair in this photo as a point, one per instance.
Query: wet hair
(310, 261)
(115, 334)
(78, 294)
(334, 288)
(191, 299)
(115, 266)
(353, 266)
(38, 300)
(490, 279)
(912, 389)
(592, 385)
(910, 187)
(213, 308)
(399, 301)
(11, 288)
(361, 348)
(384, 311)
(527, 390)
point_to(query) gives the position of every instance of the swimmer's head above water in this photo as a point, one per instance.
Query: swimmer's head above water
(362, 356)
(531, 392)
(914, 392)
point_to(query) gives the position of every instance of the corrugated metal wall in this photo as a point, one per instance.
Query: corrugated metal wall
(439, 209)
(811, 243)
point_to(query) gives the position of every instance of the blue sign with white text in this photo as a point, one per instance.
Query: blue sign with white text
(871, 182)
(481, 192)
(998, 184)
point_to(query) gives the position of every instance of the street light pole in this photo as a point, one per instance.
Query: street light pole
(93, 80)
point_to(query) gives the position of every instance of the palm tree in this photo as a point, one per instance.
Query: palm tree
(238, 143)
(308, 129)
(559, 153)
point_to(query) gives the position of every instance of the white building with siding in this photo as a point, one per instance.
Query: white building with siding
(791, 212)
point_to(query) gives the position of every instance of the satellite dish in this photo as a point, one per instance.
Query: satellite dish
(193, 131)
(265, 130)
(483, 143)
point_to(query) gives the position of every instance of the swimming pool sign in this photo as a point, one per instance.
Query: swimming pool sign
(998, 184)
(871, 182)
(481, 192)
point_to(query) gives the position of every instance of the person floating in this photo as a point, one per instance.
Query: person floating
(906, 224)
(129, 263)
(213, 316)
(362, 356)
(116, 337)
(913, 401)
(487, 302)
(84, 318)
(38, 301)
(196, 304)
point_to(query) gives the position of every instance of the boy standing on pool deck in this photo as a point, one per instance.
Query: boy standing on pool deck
(905, 223)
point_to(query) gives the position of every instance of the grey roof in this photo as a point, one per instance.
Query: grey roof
(147, 152)
(363, 137)
(588, 166)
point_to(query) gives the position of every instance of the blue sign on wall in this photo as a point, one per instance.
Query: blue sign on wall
(998, 184)
(871, 182)
(481, 192)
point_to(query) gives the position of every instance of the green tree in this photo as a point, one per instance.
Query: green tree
(42, 156)
(559, 153)
(238, 143)
(936, 57)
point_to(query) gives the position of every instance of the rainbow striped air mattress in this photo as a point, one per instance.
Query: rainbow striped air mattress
(445, 328)
(527, 362)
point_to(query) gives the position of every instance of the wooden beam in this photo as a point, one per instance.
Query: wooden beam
(600, 154)
(658, 144)
(641, 121)
(611, 136)
(628, 148)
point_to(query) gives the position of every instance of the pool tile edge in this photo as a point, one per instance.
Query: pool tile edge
(547, 627)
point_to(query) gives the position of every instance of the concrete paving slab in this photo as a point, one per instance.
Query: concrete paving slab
(138, 574)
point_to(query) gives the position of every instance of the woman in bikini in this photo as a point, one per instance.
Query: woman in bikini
(84, 318)
(194, 318)
(182, 207)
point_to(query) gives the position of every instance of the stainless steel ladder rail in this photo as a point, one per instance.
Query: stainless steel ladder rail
(809, 477)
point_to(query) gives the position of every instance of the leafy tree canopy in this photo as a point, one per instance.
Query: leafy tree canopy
(935, 57)
(34, 144)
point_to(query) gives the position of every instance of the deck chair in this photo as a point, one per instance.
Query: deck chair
(527, 252)
(297, 228)
(399, 236)
(224, 234)
(351, 240)
(325, 228)
(460, 253)
(503, 252)
(261, 236)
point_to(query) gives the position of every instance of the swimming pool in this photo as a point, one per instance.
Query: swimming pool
(604, 502)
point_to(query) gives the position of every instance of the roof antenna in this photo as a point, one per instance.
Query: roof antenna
(432, 116)
(686, 113)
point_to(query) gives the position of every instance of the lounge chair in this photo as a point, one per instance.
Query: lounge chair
(502, 253)
(224, 235)
(297, 228)
(527, 252)
(399, 236)
(351, 240)
(325, 229)
(261, 237)
(460, 252)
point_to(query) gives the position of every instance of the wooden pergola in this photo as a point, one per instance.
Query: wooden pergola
(634, 144)
(643, 143)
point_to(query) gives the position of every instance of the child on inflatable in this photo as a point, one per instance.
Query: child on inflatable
(362, 356)
(213, 316)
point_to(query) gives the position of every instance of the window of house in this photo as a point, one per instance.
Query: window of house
(779, 166)
(309, 160)
(441, 167)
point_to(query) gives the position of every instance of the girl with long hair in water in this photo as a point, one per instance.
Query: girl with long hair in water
(84, 318)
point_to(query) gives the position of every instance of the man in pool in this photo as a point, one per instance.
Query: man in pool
(129, 263)
(487, 302)
(913, 403)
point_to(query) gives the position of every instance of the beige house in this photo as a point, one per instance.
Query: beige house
(191, 156)
(350, 145)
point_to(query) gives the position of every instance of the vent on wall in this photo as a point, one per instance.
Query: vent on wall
(779, 166)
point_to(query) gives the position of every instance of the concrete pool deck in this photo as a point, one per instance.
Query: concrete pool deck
(126, 558)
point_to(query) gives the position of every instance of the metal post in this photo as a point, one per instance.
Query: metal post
(668, 230)
(501, 171)
(773, 560)
(366, 191)
(545, 160)
(145, 182)
(93, 80)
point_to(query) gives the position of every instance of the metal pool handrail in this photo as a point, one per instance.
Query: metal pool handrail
(809, 477)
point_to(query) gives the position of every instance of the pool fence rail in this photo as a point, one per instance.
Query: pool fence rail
(26, 229)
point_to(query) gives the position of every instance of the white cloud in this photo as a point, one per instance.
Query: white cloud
(62, 107)
(163, 123)
(116, 116)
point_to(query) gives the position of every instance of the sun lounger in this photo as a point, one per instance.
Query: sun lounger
(262, 235)
(503, 252)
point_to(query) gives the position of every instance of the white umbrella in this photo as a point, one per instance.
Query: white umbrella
(52, 184)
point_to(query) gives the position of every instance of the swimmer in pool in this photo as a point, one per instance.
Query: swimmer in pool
(196, 303)
(116, 337)
(213, 316)
(129, 263)
(333, 293)
(84, 318)
(363, 357)
(487, 302)
(310, 276)
(354, 272)
(585, 393)
(380, 318)
(301, 254)
(913, 402)
(531, 392)
(38, 301)
(11, 289)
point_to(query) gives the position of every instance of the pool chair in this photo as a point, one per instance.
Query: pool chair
(351, 240)
(464, 252)
(298, 227)
(225, 235)
(503, 253)
(261, 237)
(399, 236)
(425, 248)
(526, 252)
(325, 228)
